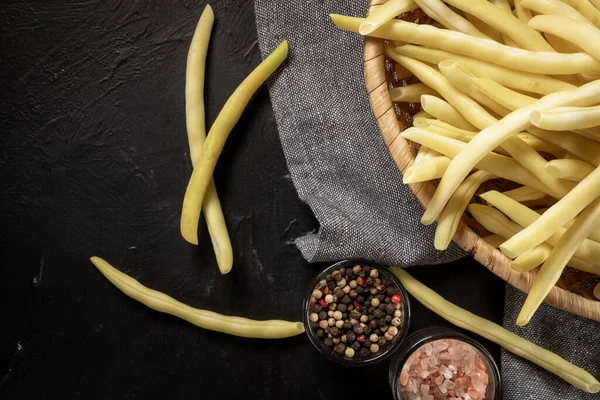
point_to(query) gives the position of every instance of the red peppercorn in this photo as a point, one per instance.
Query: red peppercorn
(323, 303)
(358, 306)
(361, 281)
(326, 290)
(396, 298)
(361, 338)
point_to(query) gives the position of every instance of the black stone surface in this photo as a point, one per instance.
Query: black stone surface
(94, 161)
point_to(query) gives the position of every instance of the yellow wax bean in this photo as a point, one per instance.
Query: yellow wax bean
(576, 376)
(226, 120)
(196, 129)
(237, 326)
(483, 49)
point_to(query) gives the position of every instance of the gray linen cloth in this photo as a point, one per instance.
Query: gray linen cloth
(343, 171)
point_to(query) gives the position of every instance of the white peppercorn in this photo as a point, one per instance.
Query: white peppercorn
(356, 269)
(396, 321)
(317, 294)
(397, 314)
(388, 336)
(341, 282)
(346, 289)
(337, 315)
(373, 338)
(375, 302)
(330, 314)
(331, 322)
(353, 284)
(393, 331)
(374, 348)
(349, 352)
(336, 340)
(314, 317)
(339, 324)
(364, 318)
(323, 324)
(329, 298)
(374, 273)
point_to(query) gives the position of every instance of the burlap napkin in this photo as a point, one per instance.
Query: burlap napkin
(343, 171)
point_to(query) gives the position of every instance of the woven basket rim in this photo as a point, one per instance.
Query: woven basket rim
(384, 111)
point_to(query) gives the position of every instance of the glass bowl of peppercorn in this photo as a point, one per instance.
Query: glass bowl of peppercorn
(356, 313)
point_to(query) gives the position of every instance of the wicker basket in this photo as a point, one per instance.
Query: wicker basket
(574, 290)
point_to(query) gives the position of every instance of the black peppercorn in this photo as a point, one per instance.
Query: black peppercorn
(367, 303)
(328, 342)
(390, 291)
(349, 275)
(353, 293)
(380, 297)
(334, 330)
(331, 285)
(338, 292)
(340, 348)
(316, 308)
(370, 281)
(388, 319)
(360, 298)
(342, 307)
(358, 329)
(384, 328)
(378, 313)
(381, 341)
(360, 290)
(355, 346)
(320, 333)
(347, 300)
(344, 315)
(389, 309)
(382, 307)
(382, 323)
(373, 324)
(350, 336)
(328, 277)
(367, 343)
(364, 352)
(354, 314)
(347, 325)
(386, 281)
(377, 331)
(323, 315)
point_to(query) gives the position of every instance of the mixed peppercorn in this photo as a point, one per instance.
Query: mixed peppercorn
(356, 312)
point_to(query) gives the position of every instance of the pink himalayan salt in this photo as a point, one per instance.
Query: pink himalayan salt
(425, 389)
(432, 361)
(425, 362)
(453, 374)
(403, 378)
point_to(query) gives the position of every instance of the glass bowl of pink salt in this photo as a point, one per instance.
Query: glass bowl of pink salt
(441, 363)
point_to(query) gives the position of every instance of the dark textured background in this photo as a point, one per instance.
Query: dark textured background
(94, 161)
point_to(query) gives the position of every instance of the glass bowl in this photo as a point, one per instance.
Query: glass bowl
(389, 327)
(418, 341)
